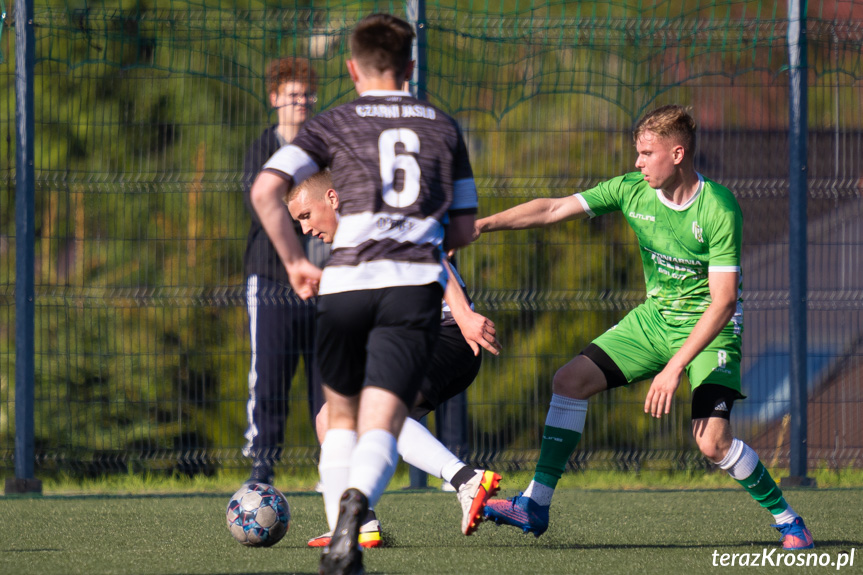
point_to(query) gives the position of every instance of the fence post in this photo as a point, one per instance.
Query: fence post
(797, 197)
(24, 480)
(416, 13)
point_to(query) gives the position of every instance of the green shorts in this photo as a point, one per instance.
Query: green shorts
(643, 343)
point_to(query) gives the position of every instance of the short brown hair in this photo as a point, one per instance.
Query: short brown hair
(382, 43)
(290, 70)
(317, 185)
(673, 122)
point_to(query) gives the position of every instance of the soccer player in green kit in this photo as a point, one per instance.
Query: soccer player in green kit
(689, 232)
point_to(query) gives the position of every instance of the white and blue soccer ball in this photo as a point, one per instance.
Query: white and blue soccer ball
(258, 515)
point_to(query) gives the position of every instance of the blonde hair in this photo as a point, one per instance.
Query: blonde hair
(672, 122)
(316, 186)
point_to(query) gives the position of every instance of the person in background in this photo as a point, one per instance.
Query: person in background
(281, 324)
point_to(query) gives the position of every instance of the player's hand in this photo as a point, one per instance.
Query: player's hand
(477, 230)
(661, 392)
(478, 331)
(305, 278)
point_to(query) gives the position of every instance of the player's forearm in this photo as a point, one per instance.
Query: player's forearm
(715, 318)
(536, 213)
(454, 296)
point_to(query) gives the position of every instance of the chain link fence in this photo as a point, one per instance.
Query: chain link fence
(143, 114)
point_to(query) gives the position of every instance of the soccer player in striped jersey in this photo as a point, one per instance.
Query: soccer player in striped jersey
(407, 194)
(689, 231)
(455, 363)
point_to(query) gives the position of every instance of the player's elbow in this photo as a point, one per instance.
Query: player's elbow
(258, 195)
(725, 308)
(268, 190)
(561, 210)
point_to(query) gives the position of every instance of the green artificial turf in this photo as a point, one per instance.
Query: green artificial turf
(592, 531)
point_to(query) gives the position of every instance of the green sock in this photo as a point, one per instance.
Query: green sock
(557, 445)
(763, 489)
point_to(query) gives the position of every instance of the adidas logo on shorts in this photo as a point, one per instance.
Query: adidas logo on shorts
(721, 407)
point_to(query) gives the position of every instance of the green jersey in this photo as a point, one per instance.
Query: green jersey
(679, 244)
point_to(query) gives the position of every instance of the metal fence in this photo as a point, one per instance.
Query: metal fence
(142, 119)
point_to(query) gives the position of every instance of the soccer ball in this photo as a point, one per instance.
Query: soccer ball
(258, 515)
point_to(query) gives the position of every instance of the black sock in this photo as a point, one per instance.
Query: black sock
(461, 477)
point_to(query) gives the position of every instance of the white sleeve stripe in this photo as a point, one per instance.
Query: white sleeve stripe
(584, 205)
(723, 269)
(464, 194)
(293, 161)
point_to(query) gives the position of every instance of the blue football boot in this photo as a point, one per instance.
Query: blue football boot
(520, 512)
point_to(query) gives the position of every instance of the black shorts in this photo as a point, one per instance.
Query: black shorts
(712, 400)
(378, 338)
(452, 369)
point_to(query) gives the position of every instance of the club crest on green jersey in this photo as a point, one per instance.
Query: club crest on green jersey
(697, 232)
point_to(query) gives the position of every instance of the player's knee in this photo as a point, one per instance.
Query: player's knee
(713, 437)
(569, 382)
(711, 448)
(580, 378)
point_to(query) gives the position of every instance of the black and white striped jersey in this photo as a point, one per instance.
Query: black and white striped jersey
(401, 168)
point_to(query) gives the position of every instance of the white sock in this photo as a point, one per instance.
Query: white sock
(541, 494)
(566, 413)
(420, 448)
(740, 461)
(786, 516)
(334, 467)
(373, 463)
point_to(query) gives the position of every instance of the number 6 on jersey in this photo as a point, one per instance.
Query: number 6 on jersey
(392, 161)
